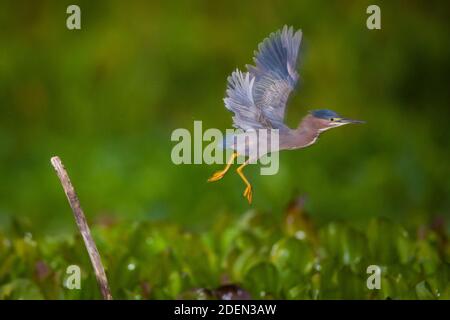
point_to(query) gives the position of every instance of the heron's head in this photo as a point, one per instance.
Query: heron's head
(326, 119)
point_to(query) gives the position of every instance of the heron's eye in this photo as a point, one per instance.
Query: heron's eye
(332, 119)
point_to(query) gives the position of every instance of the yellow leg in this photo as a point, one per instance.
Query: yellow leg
(219, 174)
(248, 190)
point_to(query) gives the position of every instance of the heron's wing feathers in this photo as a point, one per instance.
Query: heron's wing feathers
(258, 97)
(240, 101)
(275, 73)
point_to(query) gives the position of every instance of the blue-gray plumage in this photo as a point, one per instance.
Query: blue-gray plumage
(258, 99)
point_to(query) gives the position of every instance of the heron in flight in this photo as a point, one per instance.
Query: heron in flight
(258, 99)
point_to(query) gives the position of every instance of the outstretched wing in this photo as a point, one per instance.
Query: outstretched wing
(258, 97)
(239, 100)
(275, 74)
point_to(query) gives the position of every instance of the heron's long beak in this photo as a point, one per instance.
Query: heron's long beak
(346, 120)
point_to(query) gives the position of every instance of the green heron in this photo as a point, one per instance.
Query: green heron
(259, 96)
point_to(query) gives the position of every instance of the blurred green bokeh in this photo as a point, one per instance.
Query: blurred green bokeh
(107, 97)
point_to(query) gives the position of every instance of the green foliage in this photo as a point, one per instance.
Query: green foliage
(257, 256)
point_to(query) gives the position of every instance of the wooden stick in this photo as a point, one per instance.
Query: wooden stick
(83, 227)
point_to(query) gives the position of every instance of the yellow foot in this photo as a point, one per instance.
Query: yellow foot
(248, 194)
(216, 176)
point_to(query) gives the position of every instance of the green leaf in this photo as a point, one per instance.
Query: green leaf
(20, 289)
(389, 243)
(292, 254)
(424, 291)
(348, 245)
(262, 280)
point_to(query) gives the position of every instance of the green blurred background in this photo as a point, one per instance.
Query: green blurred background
(106, 99)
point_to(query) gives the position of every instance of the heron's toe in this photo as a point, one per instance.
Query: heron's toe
(248, 194)
(216, 176)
